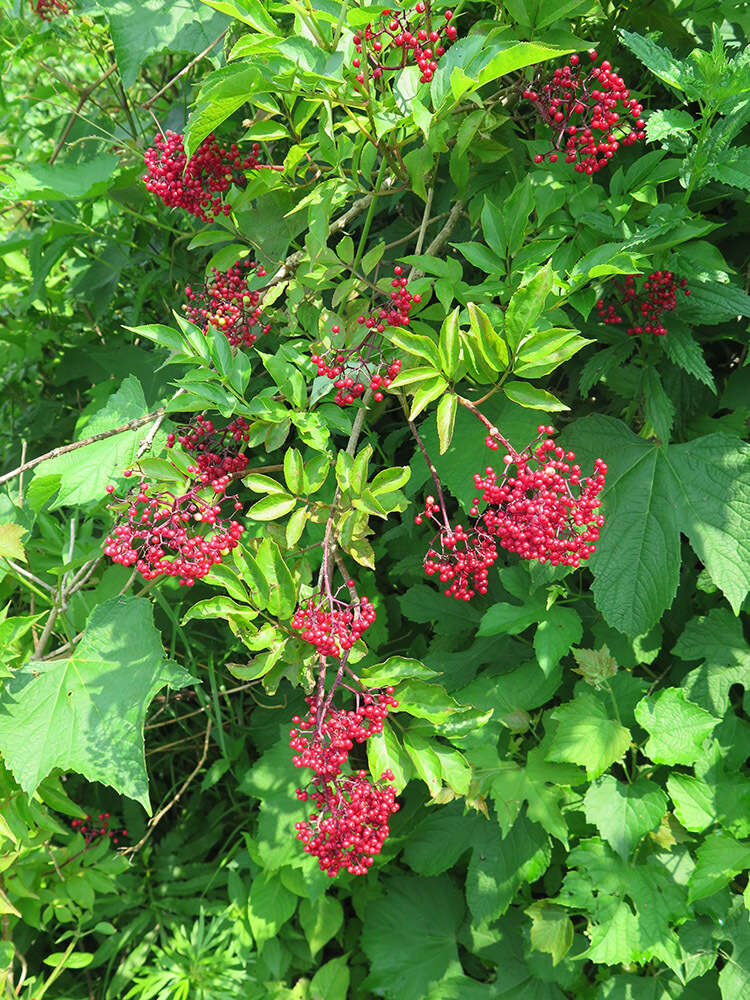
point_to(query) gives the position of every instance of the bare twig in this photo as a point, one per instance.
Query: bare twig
(442, 237)
(155, 820)
(131, 425)
(436, 479)
(84, 96)
(20, 481)
(184, 70)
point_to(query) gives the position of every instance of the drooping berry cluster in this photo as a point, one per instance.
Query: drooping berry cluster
(47, 9)
(462, 559)
(217, 462)
(353, 369)
(98, 830)
(403, 38)
(534, 512)
(350, 824)
(159, 532)
(332, 625)
(581, 112)
(350, 821)
(226, 303)
(197, 184)
(643, 307)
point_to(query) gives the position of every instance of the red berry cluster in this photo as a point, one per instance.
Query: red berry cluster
(580, 109)
(463, 561)
(325, 748)
(99, 829)
(352, 369)
(158, 531)
(332, 625)
(196, 184)
(350, 823)
(47, 9)
(535, 513)
(658, 295)
(217, 463)
(421, 43)
(227, 304)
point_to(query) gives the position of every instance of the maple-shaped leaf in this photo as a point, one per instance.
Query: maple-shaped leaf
(653, 493)
(86, 713)
(586, 734)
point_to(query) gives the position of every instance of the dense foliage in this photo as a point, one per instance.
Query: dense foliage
(374, 500)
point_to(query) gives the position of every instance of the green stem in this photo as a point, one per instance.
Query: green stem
(369, 217)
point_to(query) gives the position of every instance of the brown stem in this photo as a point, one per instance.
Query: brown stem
(184, 70)
(85, 94)
(438, 486)
(131, 425)
(494, 432)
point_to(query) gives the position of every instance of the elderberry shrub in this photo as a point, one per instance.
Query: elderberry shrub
(196, 184)
(352, 369)
(402, 38)
(581, 113)
(226, 303)
(642, 308)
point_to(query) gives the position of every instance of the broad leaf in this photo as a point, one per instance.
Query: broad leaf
(86, 713)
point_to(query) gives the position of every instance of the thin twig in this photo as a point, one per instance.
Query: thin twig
(20, 481)
(442, 237)
(155, 820)
(436, 479)
(493, 431)
(85, 94)
(423, 227)
(131, 425)
(183, 71)
(30, 576)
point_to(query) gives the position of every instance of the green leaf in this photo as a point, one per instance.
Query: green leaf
(659, 60)
(384, 752)
(282, 590)
(273, 507)
(446, 419)
(424, 700)
(86, 472)
(677, 728)
(449, 346)
(10, 541)
(415, 344)
(732, 168)
(664, 123)
(652, 494)
(86, 713)
(587, 735)
(561, 629)
(63, 181)
(320, 919)
(658, 408)
(331, 981)
(527, 305)
(427, 393)
(428, 913)
(249, 12)
(270, 904)
(141, 28)
(717, 639)
(624, 814)
(693, 801)
(551, 929)
(426, 762)
(491, 344)
(395, 669)
(509, 619)
(500, 865)
(533, 398)
(719, 858)
(683, 349)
